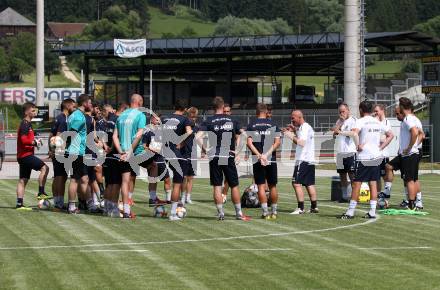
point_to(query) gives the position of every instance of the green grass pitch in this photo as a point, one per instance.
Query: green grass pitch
(48, 250)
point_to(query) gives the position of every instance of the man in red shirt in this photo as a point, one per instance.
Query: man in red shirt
(27, 161)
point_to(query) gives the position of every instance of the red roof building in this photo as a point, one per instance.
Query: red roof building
(64, 30)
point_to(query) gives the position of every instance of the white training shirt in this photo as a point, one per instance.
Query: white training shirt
(370, 130)
(420, 126)
(346, 143)
(387, 124)
(307, 152)
(407, 124)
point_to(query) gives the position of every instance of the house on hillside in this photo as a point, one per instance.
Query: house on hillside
(60, 30)
(12, 23)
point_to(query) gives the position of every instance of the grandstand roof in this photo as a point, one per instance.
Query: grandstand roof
(255, 45)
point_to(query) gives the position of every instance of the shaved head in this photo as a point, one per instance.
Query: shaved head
(136, 101)
(297, 118)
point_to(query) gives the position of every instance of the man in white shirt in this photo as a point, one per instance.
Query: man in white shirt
(366, 133)
(346, 149)
(302, 134)
(411, 135)
(395, 164)
(379, 113)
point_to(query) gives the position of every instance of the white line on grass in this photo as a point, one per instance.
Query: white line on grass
(140, 251)
(397, 248)
(194, 240)
(270, 249)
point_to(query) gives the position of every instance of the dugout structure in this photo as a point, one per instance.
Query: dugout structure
(431, 87)
(228, 59)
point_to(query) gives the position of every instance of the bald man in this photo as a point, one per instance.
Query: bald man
(127, 134)
(302, 134)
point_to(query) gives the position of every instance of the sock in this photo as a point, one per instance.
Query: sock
(58, 201)
(41, 189)
(219, 207)
(90, 204)
(351, 208)
(344, 192)
(19, 201)
(126, 208)
(183, 197)
(411, 204)
(238, 209)
(168, 194)
(387, 188)
(153, 195)
(373, 204)
(101, 187)
(174, 207)
(72, 205)
(274, 208)
(130, 195)
(313, 204)
(301, 205)
(188, 195)
(95, 197)
(405, 193)
(419, 196)
(264, 208)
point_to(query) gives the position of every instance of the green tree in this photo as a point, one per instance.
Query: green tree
(116, 22)
(324, 16)
(234, 26)
(431, 27)
(3, 63)
(381, 16)
(51, 62)
(23, 46)
(188, 31)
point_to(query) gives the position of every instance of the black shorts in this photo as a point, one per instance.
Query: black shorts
(112, 174)
(263, 173)
(420, 154)
(396, 162)
(382, 166)
(125, 167)
(304, 174)
(79, 169)
(29, 163)
(191, 168)
(147, 163)
(180, 171)
(162, 170)
(216, 172)
(364, 173)
(348, 164)
(410, 167)
(91, 173)
(58, 168)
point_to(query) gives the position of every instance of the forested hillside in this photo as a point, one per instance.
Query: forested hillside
(301, 15)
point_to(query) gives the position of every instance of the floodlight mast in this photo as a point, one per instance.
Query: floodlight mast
(352, 55)
(39, 98)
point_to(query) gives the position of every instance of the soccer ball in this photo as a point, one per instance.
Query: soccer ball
(44, 204)
(181, 212)
(159, 211)
(382, 203)
(364, 195)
